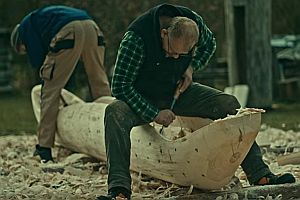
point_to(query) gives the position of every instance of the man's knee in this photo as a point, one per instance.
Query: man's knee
(117, 107)
(228, 105)
(231, 104)
(120, 113)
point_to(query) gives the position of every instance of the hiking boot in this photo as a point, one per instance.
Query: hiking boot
(44, 153)
(272, 179)
(117, 193)
(104, 198)
(109, 197)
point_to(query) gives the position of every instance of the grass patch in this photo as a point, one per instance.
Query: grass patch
(284, 115)
(16, 114)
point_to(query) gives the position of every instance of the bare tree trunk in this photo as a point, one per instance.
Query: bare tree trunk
(248, 29)
(258, 53)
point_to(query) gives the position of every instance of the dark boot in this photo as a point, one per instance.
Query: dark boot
(272, 179)
(44, 153)
(104, 197)
(116, 192)
(109, 197)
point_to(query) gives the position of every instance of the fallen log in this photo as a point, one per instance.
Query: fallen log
(277, 150)
(192, 150)
(284, 191)
(292, 158)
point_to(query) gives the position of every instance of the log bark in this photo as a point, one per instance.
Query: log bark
(293, 158)
(286, 191)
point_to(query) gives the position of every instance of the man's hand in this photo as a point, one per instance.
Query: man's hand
(165, 117)
(187, 79)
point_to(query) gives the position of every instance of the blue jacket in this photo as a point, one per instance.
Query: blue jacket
(39, 27)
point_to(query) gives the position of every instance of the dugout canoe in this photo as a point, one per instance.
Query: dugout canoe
(191, 151)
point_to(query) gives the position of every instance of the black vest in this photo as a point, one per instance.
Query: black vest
(159, 74)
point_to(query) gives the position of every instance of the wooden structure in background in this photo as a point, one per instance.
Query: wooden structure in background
(248, 29)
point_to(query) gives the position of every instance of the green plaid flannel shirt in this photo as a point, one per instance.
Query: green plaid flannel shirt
(130, 58)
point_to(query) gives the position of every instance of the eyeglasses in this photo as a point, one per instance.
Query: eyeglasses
(171, 53)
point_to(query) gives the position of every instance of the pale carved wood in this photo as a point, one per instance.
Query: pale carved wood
(204, 154)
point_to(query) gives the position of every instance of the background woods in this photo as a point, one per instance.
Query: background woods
(114, 16)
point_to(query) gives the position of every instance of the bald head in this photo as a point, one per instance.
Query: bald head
(179, 36)
(184, 28)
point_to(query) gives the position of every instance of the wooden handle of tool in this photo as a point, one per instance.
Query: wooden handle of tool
(177, 91)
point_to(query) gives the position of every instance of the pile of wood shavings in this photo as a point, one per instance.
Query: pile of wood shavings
(77, 176)
(274, 143)
(74, 176)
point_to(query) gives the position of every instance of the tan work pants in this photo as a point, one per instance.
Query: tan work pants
(58, 67)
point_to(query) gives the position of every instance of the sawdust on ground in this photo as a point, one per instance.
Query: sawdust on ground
(77, 176)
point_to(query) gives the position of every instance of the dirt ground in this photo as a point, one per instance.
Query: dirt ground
(77, 176)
